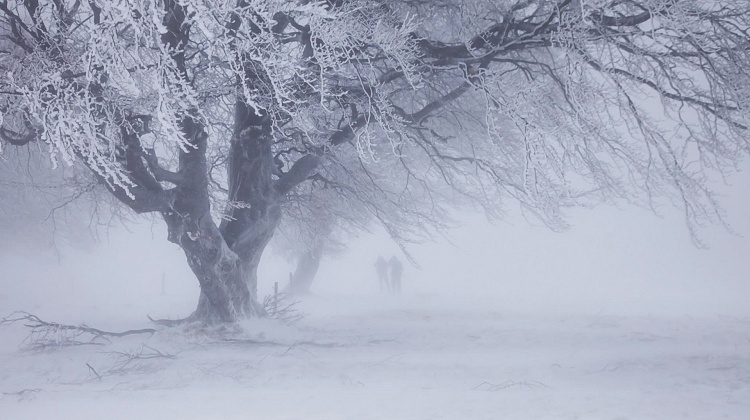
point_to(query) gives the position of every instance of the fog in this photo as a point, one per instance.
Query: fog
(619, 259)
(609, 259)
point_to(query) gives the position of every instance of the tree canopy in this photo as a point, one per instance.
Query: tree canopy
(217, 114)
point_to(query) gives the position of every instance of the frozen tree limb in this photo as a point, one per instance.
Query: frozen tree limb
(159, 172)
(297, 174)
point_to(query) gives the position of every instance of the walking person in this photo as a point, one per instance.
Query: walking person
(381, 267)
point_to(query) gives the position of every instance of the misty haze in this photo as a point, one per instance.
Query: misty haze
(374, 209)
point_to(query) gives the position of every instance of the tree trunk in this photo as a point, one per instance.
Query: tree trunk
(307, 268)
(309, 261)
(228, 277)
(251, 244)
(225, 295)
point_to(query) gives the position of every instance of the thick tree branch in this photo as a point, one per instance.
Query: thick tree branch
(616, 21)
(18, 139)
(298, 173)
(437, 104)
(161, 174)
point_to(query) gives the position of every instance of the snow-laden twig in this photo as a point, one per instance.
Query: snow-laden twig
(279, 306)
(91, 369)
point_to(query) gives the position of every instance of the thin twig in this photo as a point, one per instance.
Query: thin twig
(94, 370)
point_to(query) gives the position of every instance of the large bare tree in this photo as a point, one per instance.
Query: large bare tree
(212, 112)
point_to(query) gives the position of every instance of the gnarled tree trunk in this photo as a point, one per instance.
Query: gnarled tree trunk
(225, 295)
(254, 211)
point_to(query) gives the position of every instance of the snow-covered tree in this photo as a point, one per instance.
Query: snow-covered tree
(317, 222)
(213, 112)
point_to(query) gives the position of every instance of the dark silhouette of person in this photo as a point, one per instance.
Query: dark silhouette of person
(381, 266)
(396, 270)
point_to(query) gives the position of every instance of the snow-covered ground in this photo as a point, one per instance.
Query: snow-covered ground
(407, 357)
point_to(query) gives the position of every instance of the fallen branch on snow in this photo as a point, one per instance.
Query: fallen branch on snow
(24, 394)
(170, 322)
(143, 359)
(45, 335)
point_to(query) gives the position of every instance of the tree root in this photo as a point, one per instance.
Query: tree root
(45, 335)
(279, 306)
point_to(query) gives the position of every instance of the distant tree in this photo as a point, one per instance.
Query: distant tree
(403, 107)
(316, 223)
(308, 254)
